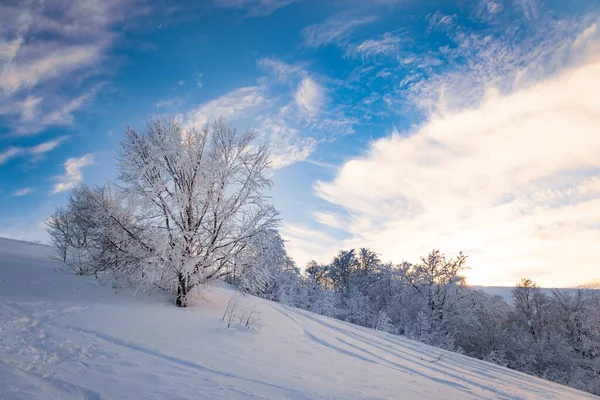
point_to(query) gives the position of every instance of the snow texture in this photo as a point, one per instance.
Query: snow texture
(71, 337)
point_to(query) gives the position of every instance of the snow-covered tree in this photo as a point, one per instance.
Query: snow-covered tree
(318, 273)
(189, 201)
(200, 193)
(342, 269)
(59, 229)
(264, 268)
(90, 234)
(437, 280)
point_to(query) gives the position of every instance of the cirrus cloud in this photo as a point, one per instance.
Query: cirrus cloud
(44, 147)
(310, 96)
(24, 191)
(335, 29)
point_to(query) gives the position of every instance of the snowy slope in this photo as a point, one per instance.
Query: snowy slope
(64, 336)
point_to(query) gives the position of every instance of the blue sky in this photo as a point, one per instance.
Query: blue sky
(398, 125)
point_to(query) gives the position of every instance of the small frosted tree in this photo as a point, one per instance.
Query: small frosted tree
(94, 233)
(59, 229)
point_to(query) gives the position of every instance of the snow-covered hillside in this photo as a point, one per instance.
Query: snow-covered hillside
(65, 336)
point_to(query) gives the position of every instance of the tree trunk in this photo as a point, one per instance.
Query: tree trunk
(182, 292)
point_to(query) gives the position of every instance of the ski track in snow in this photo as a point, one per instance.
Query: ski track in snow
(69, 337)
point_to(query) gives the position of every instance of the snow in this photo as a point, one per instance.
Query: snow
(71, 337)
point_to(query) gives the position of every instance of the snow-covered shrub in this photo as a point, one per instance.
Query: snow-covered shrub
(247, 318)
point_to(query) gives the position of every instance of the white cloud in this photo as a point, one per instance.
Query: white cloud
(387, 44)
(47, 52)
(334, 30)
(494, 7)
(47, 146)
(30, 108)
(439, 20)
(9, 153)
(488, 11)
(62, 114)
(169, 103)
(254, 108)
(24, 191)
(513, 182)
(13, 152)
(272, 109)
(287, 145)
(529, 8)
(321, 164)
(73, 174)
(236, 103)
(281, 71)
(46, 67)
(477, 61)
(35, 116)
(310, 96)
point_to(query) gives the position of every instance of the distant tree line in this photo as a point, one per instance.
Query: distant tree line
(553, 336)
(190, 208)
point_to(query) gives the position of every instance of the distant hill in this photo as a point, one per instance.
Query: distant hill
(506, 291)
(591, 285)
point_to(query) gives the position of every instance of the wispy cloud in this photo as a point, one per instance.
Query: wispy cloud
(168, 103)
(461, 74)
(14, 152)
(46, 146)
(493, 7)
(9, 153)
(254, 8)
(487, 10)
(439, 20)
(44, 48)
(280, 70)
(529, 8)
(253, 107)
(288, 108)
(47, 66)
(310, 96)
(320, 164)
(24, 192)
(238, 102)
(73, 173)
(287, 145)
(334, 30)
(386, 45)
